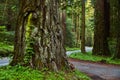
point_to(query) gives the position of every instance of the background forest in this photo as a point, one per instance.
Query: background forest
(76, 25)
(72, 11)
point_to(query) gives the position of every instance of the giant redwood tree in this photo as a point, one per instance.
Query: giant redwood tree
(116, 24)
(101, 30)
(39, 29)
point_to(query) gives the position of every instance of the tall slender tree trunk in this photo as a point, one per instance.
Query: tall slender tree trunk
(46, 36)
(19, 45)
(64, 23)
(101, 30)
(83, 28)
(78, 30)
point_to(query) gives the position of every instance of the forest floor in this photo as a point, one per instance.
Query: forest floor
(97, 71)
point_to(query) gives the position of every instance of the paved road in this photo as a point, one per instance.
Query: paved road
(88, 49)
(4, 61)
(97, 71)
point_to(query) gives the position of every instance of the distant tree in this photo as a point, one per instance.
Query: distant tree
(74, 13)
(8, 13)
(69, 38)
(39, 23)
(101, 30)
(115, 21)
(11, 14)
(83, 28)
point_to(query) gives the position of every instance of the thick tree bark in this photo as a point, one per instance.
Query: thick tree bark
(46, 36)
(117, 55)
(83, 28)
(117, 15)
(19, 45)
(101, 30)
(63, 18)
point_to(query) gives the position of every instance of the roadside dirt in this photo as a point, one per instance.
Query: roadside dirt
(97, 71)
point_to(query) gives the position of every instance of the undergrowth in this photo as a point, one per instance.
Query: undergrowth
(5, 49)
(89, 57)
(71, 49)
(26, 73)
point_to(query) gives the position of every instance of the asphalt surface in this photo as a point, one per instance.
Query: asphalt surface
(97, 71)
(4, 61)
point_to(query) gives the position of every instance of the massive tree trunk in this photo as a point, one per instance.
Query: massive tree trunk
(63, 18)
(117, 55)
(83, 28)
(117, 27)
(101, 32)
(45, 37)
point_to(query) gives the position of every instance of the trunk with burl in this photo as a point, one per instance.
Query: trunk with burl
(45, 37)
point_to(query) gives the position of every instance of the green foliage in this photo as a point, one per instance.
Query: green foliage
(72, 49)
(7, 37)
(69, 39)
(29, 40)
(2, 28)
(6, 42)
(26, 73)
(82, 75)
(8, 13)
(112, 46)
(73, 12)
(89, 57)
(5, 49)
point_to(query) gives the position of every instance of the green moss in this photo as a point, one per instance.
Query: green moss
(29, 41)
(28, 26)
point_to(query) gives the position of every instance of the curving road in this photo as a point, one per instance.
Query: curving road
(5, 61)
(97, 71)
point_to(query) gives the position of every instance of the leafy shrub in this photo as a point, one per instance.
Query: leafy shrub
(72, 49)
(6, 42)
(7, 37)
(5, 49)
(69, 38)
(2, 28)
(112, 46)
